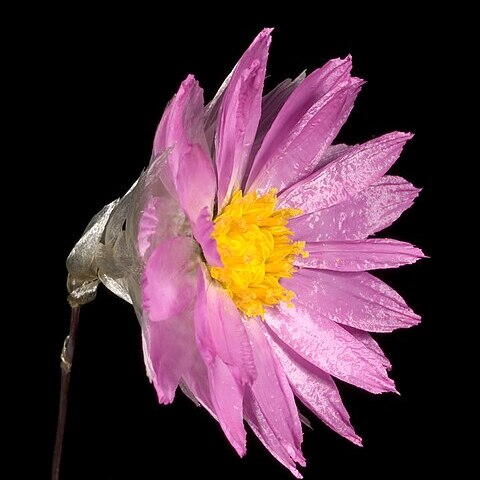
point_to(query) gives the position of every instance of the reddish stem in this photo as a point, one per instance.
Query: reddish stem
(66, 366)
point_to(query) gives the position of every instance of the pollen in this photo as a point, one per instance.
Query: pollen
(255, 246)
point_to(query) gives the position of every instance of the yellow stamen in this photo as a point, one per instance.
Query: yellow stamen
(256, 251)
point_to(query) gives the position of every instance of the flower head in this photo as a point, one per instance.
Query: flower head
(245, 252)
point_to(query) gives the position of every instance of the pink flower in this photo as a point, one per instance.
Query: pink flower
(253, 230)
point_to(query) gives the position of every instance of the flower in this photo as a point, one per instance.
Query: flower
(245, 247)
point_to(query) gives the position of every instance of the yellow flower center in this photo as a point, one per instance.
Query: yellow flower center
(254, 245)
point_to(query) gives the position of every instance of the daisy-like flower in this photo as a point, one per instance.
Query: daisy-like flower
(245, 246)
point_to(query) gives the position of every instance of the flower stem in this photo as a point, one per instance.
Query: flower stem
(66, 359)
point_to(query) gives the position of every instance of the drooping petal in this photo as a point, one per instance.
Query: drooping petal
(195, 378)
(160, 218)
(295, 114)
(239, 115)
(190, 165)
(359, 300)
(328, 346)
(227, 400)
(364, 214)
(273, 393)
(359, 255)
(170, 348)
(316, 390)
(370, 343)
(220, 331)
(258, 423)
(354, 171)
(169, 279)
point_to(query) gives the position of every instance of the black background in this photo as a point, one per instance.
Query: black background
(98, 84)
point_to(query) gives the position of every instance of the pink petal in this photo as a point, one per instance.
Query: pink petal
(169, 278)
(359, 255)
(301, 150)
(160, 148)
(191, 168)
(358, 168)
(239, 115)
(216, 389)
(328, 346)
(272, 102)
(356, 299)
(202, 230)
(227, 400)
(370, 343)
(170, 347)
(364, 214)
(160, 218)
(258, 423)
(316, 390)
(220, 331)
(196, 380)
(296, 112)
(273, 393)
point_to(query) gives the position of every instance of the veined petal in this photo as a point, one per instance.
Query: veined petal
(366, 213)
(354, 171)
(273, 393)
(328, 346)
(169, 278)
(316, 390)
(170, 347)
(359, 300)
(359, 255)
(296, 112)
(220, 331)
(160, 218)
(239, 115)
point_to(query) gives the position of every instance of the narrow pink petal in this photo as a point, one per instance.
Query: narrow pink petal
(160, 218)
(366, 213)
(169, 278)
(273, 393)
(272, 102)
(170, 347)
(191, 167)
(316, 390)
(227, 400)
(220, 331)
(359, 300)
(358, 168)
(289, 120)
(258, 423)
(370, 343)
(328, 346)
(302, 148)
(359, 255)
(239, 115)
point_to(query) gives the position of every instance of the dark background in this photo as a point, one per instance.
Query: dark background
(96, 89)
